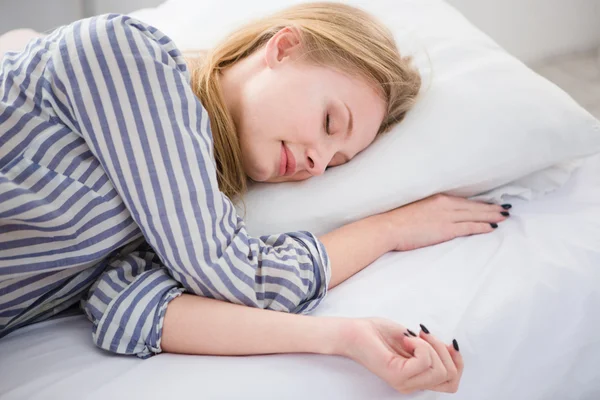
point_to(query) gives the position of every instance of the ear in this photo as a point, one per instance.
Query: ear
(283, 46)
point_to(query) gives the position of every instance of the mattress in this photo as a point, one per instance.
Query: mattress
(522, 302)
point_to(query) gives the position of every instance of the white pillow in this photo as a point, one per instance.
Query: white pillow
(16, 40)
(485, 122)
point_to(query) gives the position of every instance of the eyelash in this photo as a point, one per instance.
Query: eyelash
(327, 124)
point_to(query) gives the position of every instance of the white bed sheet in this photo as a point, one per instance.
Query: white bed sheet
(522, 302)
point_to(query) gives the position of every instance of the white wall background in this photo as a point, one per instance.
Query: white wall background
(44, 15)
(532, 30)
(120, 6)
(39, 15)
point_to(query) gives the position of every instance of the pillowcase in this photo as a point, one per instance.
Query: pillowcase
(485, 124)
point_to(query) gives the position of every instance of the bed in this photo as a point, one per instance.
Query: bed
(522, 302)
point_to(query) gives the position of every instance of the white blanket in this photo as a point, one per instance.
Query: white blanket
(522, 302)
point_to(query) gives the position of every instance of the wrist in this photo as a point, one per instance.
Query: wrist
(331, 334)
(347, 336)
(387, 229)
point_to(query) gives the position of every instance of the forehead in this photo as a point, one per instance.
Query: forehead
(360, 91)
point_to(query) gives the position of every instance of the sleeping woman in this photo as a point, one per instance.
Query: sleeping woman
(120, 159)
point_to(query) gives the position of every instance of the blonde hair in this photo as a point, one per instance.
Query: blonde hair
(333, 35)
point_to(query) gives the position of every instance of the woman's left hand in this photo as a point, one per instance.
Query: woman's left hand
(441, 218)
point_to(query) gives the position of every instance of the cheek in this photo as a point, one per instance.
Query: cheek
(260, 157)
(261, 124)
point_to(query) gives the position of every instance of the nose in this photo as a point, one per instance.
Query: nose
(315, 162)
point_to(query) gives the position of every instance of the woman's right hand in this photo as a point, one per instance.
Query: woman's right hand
(407, 363)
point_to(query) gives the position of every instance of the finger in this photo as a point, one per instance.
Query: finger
(443, 352)
(420, 362)
(472, 228)
(478, 216)
(433, 376)
(396, 336)
(466, 204)
(398, 344)
(458, 359)
(451, 386)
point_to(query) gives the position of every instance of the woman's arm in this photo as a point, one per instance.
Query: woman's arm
(200, 325)
(211, 327)
(355, 246)
(196, 325)
(427, 222)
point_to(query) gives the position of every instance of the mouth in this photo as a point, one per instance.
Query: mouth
(287, 163)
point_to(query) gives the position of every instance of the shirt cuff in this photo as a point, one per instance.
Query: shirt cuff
(154, 339)
(322, 273)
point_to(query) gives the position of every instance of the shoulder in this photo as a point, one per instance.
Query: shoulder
(122, 36)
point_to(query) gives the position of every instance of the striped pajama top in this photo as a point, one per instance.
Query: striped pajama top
(109, 194)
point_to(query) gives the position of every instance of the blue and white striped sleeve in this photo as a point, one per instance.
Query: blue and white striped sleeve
(124, 87)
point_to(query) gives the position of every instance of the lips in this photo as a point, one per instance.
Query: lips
(287, 165)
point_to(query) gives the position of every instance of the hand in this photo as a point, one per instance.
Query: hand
(440, 218)
(406, 363)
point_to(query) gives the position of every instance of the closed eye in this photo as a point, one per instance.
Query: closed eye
(327, 124)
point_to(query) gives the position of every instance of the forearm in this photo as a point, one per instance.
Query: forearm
(354, 246)
(200, 325)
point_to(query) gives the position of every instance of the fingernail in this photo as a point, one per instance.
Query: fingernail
(494, 225)
(505, 213)
(507, 206)
(424, 329)
(455, 344)
(406, 334)
(411, 332)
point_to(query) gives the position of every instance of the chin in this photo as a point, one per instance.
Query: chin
(293, 178)
(257, 178)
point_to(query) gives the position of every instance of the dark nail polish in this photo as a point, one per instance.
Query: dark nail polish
(494, 225)
(507, 206)
(455, 344)
(411, 332)
(505, 213)
(424, 329)
(406, 334)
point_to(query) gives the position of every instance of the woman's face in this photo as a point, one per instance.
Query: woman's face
(294, 119)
